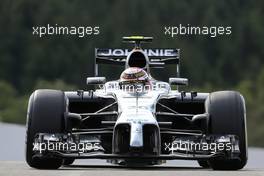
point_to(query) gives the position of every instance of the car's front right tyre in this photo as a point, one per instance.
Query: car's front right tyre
(46, 109)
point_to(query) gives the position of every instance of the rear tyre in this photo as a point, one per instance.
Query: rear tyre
(45, 114)
(228, 116)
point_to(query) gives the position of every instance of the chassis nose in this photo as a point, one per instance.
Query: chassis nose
(136, 135)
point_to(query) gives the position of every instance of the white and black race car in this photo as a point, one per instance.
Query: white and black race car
(136, 120)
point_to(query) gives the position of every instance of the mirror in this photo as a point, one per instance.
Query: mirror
(178, 81)
(95, 80)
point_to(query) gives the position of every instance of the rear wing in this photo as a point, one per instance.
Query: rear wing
(157, 56)
(118, 56)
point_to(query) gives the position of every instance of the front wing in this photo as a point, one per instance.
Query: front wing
(184, 145)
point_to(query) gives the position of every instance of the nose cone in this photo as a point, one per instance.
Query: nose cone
(136, 132)
(136, 136)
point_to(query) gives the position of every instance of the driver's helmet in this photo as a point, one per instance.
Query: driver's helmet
(134, 75)
(135, 79)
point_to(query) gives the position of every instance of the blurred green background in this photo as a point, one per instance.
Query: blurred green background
(28, 62)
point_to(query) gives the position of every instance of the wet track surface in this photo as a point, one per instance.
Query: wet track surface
(12, 162)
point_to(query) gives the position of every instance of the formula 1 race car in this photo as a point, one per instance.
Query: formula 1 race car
(136, 120)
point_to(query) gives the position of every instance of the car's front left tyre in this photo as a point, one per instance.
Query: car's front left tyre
(228, 116)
